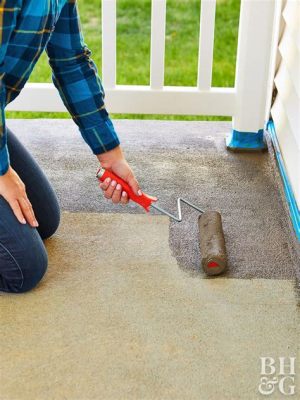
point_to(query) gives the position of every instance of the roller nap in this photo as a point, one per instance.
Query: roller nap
(212, 243)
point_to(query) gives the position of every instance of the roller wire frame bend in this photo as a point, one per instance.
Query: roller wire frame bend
(211, 236)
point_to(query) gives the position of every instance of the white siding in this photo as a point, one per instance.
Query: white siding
(286, 108)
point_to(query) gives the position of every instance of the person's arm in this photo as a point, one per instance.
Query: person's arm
(11, 186)
(4, 155)
(75, 75)
(8, 14)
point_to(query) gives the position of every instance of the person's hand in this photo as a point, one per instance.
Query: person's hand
(14, 192)
(114, 160)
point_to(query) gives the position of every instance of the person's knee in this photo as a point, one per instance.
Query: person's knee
(36, 271)
(23, 255)
(56, 221)
(50, 227)
(32, 269)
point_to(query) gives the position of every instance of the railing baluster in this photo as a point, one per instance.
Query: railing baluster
(109, 43)
(206, 44)
(157, 55)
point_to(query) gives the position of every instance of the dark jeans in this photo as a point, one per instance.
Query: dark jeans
(23, 256)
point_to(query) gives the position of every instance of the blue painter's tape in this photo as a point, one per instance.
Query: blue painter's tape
(288, 190)
(246, 140)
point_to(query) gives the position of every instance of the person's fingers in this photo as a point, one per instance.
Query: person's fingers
(17, 211)
(34, 221)
(27, 211)
(124, 198)
(110, 190)
(104, 185)
(116, 197)
(133, 183)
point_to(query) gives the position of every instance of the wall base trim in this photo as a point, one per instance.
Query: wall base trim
(288, 190)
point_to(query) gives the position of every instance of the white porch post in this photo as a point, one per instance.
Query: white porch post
(252, 74)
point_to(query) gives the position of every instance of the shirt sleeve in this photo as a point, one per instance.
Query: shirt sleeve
(75, 75)
(8, 15)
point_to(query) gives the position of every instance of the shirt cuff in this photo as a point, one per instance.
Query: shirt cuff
(102, 137)
(4, 160)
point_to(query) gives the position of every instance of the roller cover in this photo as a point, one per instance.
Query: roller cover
(212, 243)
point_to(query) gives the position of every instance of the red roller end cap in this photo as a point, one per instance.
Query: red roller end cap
(212, 264)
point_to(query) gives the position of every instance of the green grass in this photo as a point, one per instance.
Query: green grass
(133, 48)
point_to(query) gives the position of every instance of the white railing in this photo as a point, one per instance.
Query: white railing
(246, 102)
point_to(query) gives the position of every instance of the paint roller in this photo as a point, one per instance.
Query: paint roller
(211, 236)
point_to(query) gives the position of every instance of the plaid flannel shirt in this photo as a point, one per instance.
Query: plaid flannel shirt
(27, 28)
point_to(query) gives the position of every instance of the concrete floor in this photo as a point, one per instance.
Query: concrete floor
(129, 314)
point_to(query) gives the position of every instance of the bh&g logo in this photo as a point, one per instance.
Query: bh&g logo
(279, 374)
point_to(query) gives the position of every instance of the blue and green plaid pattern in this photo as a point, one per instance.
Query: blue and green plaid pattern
(27, 28)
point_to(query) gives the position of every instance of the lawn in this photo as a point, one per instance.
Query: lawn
(133, 47)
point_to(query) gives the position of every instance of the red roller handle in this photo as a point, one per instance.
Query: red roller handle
(144, 200)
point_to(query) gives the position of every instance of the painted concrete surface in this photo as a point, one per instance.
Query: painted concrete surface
(116, 317)
(179, 158)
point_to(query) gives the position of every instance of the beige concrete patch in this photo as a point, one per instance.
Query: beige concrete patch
(116, 318)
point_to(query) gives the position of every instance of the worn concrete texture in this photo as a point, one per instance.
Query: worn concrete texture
(116, 319)
(180, 158)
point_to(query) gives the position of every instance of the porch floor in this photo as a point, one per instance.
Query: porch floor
(124, 310)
